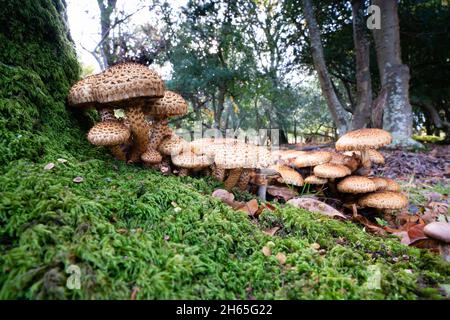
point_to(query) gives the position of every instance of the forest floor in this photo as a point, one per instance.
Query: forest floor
(136, 234)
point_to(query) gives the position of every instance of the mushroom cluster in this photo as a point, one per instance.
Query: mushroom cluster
(346, 172)
(143, 136)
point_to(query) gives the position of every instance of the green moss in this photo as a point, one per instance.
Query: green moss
(128, 226)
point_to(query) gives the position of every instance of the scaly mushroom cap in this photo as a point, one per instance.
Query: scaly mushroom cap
(356, 184)
(392, 185)
(384, 200)
(286, 155)
(363, 139)
(190, 160)
(151, 157)
(172, 104)
(315, 180)
(331, 171)
(289, 175)
(314, 158)
(173, 145)
(81, 94)
(210, 146)
(380, 183)
(127, 83)
(232, 156)
(108, 133)
(374, 155)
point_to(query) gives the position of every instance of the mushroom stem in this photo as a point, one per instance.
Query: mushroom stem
(233, 178)
(365, 159)
(218, 173)
(118, 152)
(262, 191)
(183, 172)
(244, 179)
(159, 131)
(140, 130)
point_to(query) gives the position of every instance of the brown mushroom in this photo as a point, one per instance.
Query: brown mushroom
(356, 184)
(384, 200)
(362, 140)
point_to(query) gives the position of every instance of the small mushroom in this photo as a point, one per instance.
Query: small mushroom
(380, 183)
(363, 140)
(315, 180)
(331, 171)
(384, 200)
(289, 176)
(190, 161)
(356, 184)
(310, 159)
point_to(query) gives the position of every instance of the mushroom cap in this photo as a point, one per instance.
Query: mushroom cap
(108, 133)
(289, 175)
(356, 184)
(151, 156)
(374, 155)
(314, 158)
(127, 83)
(315, 180)
(190, 160)
(380, 183)
(384, 200)
(210, 146)
(392, 185)
(173, 145)
(438, 230)
(363, 139)
(242, 155)
(81, 94)
(286, 154)
(329, 170)
(172, 104)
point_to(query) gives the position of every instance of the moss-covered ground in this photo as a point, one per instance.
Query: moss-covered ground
(131, 230)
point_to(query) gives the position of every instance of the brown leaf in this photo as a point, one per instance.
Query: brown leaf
(370, 226)
(426, 243)
(404, 237)
(315, 246)
(134, 293)
(271, 232)
(281, 257)
(416, 232)
(282, 192)
(266, 251)
(314, 205)
(252, 206)
(224, 196)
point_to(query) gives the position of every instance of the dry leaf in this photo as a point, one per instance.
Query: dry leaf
(224, 196)
(281, 192)
(134, 293)
(78, 180)
(314, 205)
(61, 160)
(271, 232)
(49, 166)
(416, 232)
(266, 251)
(315, 246)
(281, 257)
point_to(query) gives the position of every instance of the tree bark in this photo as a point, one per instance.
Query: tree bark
(362, 112)
(335, 107)
(397, 117)
(220, 107)
(106, 9)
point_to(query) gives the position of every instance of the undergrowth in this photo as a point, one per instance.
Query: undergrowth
(130, 229)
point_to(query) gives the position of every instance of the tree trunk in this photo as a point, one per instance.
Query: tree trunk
(220, 107)
(336, 109)
(362, 112)
(105, 25)
(397, 117)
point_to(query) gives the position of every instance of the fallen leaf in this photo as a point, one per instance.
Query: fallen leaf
(282, 192)
(134, 293)
(426, 243)
(49, 166)
(281, 257)
(252, 205)
(266, 251)
(271, 232)
(416, 232)
(314, 205)
(315, 246)
(61, 160)
(370, 226)
(78, 180)
(122, 231)
(224, 196)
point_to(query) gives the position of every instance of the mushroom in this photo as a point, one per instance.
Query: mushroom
(350, 161)
(380, 183)
(172, 104)
(190, 161)
(315, 180)
(356, 184)
(363, 140)
(239, 157)
(384, 200)
(289, 175)
(173, 145)
(132, 87)
(112, 134)
(331, 172)
(311, 159)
